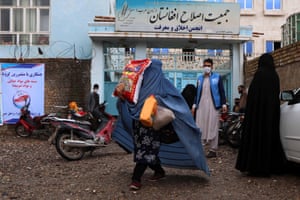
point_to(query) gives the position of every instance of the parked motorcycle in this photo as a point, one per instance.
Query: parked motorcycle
(27, 125)
(230, 129)
(73, 138)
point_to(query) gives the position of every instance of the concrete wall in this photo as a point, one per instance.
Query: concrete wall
(287, 62)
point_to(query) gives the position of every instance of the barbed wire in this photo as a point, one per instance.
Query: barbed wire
(57, 49)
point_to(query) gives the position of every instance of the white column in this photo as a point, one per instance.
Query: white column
(237, 69)
(141, 50)
(97, 69)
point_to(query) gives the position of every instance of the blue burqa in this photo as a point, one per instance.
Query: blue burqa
(188, 152)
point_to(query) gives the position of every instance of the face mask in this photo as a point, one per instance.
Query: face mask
(207, 70)
(95, 90)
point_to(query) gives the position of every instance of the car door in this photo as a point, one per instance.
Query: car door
(290, 128)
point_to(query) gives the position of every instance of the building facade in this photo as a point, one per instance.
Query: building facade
(266, 18)
(54, 29)
(47, 28)
(205, 29)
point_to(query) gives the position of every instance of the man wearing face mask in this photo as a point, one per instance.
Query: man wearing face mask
(210, 99)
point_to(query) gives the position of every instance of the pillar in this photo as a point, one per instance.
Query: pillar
(237, 69)
(97, 69)
(141, 50)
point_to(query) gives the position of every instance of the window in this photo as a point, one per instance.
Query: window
(156, 50)
(188, 54)
(214, 52)
(8, 2)
(24, 22)
(273, 4)
(269, 46)
(164, 51)
(160, 51)
(215, 0)
(129, 51)
(245, 4)
(272, 45)
(277, 45)
(248, 48)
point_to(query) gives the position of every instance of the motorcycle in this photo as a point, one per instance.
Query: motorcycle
(28, 125)
(230, 129)
(73, 138)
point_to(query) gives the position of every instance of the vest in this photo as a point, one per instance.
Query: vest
(214, 79)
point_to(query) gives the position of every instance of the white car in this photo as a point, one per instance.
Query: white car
(290, 124)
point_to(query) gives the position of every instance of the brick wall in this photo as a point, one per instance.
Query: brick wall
(287, 63)
(65, 80)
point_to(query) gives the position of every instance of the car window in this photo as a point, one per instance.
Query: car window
(296, 98)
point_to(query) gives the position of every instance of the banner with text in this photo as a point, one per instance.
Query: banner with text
(177, 16)
(22, 85)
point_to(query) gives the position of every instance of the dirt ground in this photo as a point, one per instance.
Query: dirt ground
(30, 168)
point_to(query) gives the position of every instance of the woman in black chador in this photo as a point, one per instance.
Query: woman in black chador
(261, 152)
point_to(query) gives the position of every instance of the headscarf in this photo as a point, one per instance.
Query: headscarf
(261, 150)
(266, 61)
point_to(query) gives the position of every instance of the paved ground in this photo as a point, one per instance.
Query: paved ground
(30, 168)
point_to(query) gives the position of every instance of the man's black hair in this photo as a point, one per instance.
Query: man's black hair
(96, 86)
(209, 60)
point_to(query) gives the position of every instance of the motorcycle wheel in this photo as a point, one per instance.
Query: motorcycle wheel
(234, 137)
(21, 131)
(68, 153)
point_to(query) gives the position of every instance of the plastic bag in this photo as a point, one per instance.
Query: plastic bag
(163, 116)
(154, 115)
(132, 77)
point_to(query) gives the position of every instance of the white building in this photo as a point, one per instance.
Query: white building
(266, 18)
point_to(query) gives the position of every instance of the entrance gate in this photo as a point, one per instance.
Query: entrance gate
(180, 68)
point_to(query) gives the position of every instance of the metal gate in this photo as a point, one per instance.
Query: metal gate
(180, 68)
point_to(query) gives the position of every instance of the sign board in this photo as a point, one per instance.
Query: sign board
(177, 16)
(22, 85)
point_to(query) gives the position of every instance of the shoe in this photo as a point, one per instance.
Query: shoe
(157, 176)
(135, 185)
(211, 154)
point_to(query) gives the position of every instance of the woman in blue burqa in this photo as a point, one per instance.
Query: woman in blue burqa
(128, 125)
